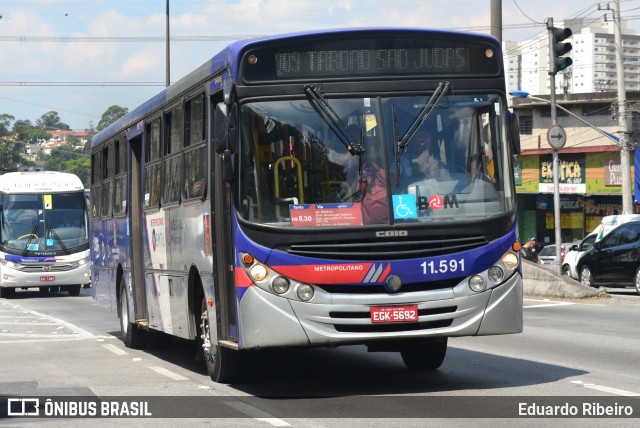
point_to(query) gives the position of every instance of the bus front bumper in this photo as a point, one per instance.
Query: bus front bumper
(272, 321)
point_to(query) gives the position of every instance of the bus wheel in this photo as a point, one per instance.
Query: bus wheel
(426, 354)
(223, 364)
(74, 290)
(132, 336)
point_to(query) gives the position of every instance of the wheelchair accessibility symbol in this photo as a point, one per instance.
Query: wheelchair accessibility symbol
(404, 206)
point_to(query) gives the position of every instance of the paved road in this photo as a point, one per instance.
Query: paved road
(68, 346)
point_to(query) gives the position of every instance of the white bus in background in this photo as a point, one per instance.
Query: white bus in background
(44, 232)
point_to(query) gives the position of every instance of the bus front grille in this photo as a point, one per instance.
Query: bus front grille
(380, 289)
(378, 249)
(45, 267)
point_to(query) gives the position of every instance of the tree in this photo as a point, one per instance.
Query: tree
(60, 155)
(12, 150)
(81, 167)
(5, 124)
(112, 114)
(51, 120)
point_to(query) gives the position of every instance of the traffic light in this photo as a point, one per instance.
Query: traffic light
(558, 48)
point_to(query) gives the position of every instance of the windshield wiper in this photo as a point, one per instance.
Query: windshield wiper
(332, 119)
(31, 235)
(53, 233)
(402, 142)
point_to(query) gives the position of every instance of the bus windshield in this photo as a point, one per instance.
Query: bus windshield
(415, 163)
(43, 223)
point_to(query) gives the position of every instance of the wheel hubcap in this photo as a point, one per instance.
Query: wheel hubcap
(204, 328)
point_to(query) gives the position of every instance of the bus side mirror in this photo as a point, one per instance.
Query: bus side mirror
(514, 133)
(225, 128)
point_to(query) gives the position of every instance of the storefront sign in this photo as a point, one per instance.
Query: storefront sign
(571, 174)
(612, 173)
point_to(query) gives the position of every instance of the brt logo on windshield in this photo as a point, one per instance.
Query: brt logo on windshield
(437, 202)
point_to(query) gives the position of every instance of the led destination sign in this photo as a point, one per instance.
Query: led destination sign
(370, 57)
(374, 61)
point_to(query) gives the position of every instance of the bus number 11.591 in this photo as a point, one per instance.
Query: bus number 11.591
(444, 266)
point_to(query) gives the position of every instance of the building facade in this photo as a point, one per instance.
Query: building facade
(590, 174)
(593, 54)
(590, 177)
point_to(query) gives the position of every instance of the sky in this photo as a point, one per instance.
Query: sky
(78, 58)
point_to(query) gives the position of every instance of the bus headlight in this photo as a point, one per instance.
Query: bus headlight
(510, 260)
(495, 274)
(258, 272)
(280, 284)
(477, 283)
(305, 292)
(7, 263)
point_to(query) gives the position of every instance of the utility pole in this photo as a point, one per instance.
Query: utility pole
(623, 122)
(167, 51)
(496, 19)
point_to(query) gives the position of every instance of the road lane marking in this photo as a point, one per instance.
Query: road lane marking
(114, 349)
(547, 304)
(168, 373)
(608, 389)
(81, 332)
(256, 413)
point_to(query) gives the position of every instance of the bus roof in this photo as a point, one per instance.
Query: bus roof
(39, 182)
(230, 55)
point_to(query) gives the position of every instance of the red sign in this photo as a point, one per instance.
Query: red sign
(380, 314)
(47, 278)
(318, 215)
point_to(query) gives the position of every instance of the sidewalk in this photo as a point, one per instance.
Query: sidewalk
(542, 283)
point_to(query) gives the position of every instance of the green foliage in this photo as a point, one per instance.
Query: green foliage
(11, 149)
(51, 120)
(81, 167)
(112, 114)
(15, 135)
(5, 124)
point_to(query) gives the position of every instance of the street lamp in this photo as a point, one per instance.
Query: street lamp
(556, 185)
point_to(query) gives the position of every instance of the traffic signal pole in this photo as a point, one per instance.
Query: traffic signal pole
(556, 161)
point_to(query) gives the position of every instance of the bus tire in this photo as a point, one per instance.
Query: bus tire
(132, 336)
(74, 290)
(223, 364)
(425, 354)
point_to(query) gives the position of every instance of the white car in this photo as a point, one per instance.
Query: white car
(576, 251)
